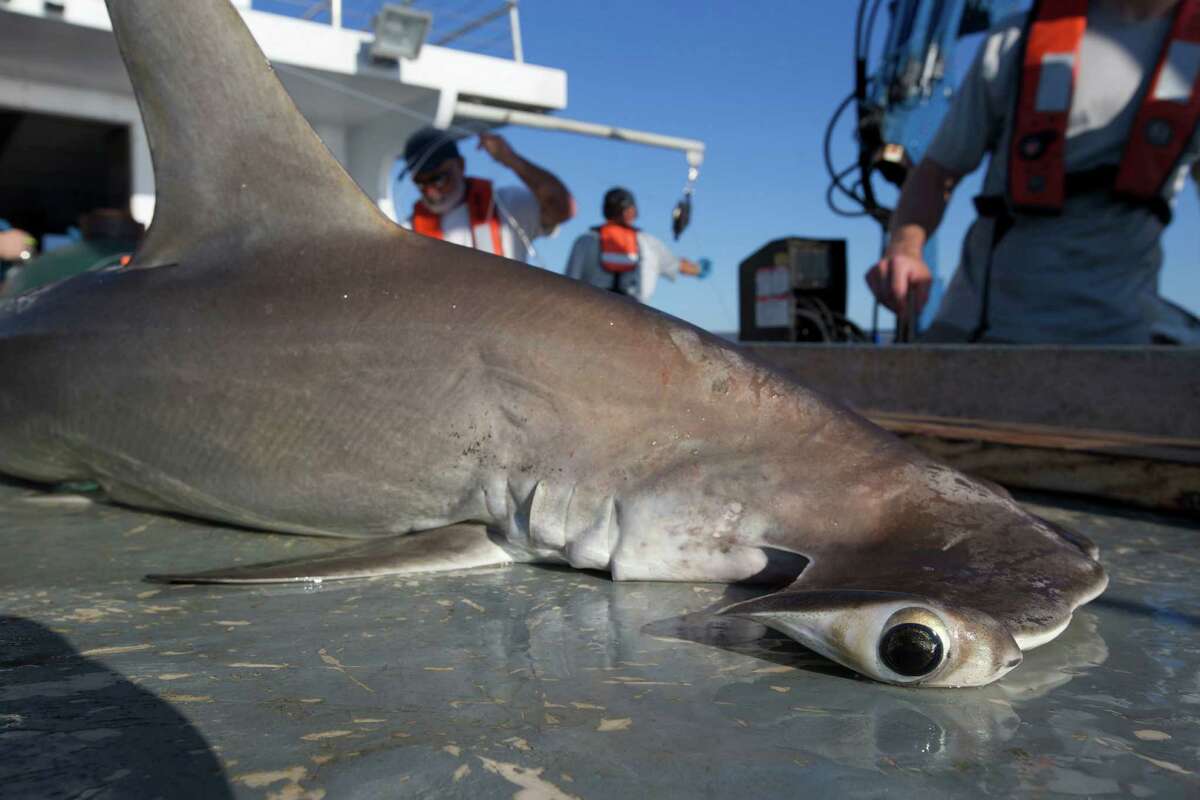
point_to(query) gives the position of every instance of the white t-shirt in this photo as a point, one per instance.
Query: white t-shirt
(520, 222)
(1090, 273)
(654, 259)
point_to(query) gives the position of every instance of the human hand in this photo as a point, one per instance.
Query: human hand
(16, 245)
(497, 147)
(899, 278)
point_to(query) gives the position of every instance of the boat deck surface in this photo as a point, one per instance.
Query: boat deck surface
(556, 683)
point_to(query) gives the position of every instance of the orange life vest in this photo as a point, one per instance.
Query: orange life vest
(1168, 115)
(619, 256)
(481, 212)
(618, 247)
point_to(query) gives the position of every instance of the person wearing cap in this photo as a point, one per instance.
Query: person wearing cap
(1089, 111)
(620, 258)
(17, 247)
(15, 244)
(108, 236)
(471, 211)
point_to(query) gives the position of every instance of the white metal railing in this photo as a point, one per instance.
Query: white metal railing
(693, 148)
(491, 27)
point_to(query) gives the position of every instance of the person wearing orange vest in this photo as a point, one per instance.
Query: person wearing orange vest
(620, 258)
(1090, 111)
(471, 211)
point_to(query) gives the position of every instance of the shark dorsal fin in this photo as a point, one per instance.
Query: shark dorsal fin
(234, 160)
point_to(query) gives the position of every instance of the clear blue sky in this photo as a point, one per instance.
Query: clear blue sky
(757, 82)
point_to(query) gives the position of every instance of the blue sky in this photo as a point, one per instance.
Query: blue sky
(757, 81)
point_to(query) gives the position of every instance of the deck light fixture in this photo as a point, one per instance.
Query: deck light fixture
(399, 31)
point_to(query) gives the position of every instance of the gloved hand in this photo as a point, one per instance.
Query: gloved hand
(705, 267)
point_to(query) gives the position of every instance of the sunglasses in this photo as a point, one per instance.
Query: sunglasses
(437, 180)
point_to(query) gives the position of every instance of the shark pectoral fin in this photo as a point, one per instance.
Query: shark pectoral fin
(439, 550)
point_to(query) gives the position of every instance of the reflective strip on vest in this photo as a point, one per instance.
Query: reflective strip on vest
(486, 237)
(1036, 176)
(1169, 113)
(618, 248)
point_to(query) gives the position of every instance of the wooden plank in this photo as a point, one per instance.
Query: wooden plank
(1153, 391)
(1111, 443)
(1117, 423)
(1146, 483)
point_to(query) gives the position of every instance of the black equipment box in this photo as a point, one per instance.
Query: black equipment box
(790, 288)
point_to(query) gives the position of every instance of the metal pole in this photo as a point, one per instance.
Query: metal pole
(474, 24)
(335, 13)
(514, 24)
(503, 116)
(312, 12)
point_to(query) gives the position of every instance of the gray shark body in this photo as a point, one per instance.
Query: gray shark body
(281, 356)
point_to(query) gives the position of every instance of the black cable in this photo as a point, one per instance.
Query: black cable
(831, 325)
(861, 81)
(836, 177)
(841, 212)
(866, 44)
(825, 311)
(861, 193)
(827, 147)
(829, 197)
(815, 321)
(875, 306)
(846, 329)
(981, 327)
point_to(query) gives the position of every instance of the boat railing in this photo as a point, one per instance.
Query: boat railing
(488, 27)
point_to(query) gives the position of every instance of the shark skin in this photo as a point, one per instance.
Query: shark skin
(279, 355)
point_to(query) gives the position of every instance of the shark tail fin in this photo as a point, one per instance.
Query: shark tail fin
(234, 160)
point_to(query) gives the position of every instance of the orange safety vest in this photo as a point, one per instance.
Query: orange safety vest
(618, 247)
(481, 212)
(1169, 112)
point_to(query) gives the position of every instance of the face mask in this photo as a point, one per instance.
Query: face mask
(448, 202)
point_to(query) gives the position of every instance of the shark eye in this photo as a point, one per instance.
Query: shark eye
(911, 649)
(914, 643)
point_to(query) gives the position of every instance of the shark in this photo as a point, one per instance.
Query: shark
(279, 355)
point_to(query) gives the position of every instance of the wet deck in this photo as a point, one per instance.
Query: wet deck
(559, 683)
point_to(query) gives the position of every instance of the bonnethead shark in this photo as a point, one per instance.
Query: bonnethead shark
(280, 355)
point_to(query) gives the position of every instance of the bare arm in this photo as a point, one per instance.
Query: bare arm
(922, 203)
(554, 200)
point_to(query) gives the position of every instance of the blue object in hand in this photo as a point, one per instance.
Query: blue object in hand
(705, 267)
